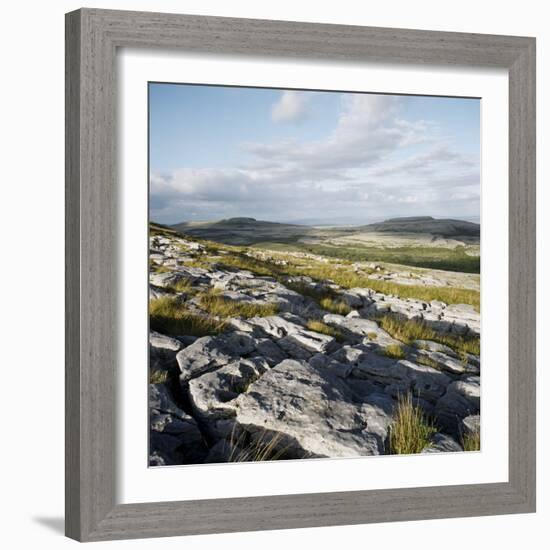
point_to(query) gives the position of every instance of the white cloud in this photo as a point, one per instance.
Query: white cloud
(372, 165)
(291, 107)
(366, 132)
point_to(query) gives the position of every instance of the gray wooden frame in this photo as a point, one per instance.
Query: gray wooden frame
(92, 39)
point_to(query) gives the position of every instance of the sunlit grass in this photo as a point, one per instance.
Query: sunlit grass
(168, 315)
(319, 326)
(335, 306)
(427, 361)
(338, 272)
(181, 286)
(158, 377)
(408, 331)
(263, 448)
(410, 432)
(395, 351)
(157, 268)
(218, 305)
(346, 277)
(471, 441)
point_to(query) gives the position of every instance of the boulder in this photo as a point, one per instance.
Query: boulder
(211, 352)
(276, 326)
(213, 394)
(459, 401)
(192, 274)
(401, 377)
(175, 437)
(429, 345)
(270, 351)
(449, 364)
(470, 425)
(309, 412)
(442, 443)
(351, 298)
(162, 352)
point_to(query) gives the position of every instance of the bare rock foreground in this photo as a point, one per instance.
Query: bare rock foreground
(268, 370)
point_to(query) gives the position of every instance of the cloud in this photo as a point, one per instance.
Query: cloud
(292, 106)
(367, 130)
(373, 164)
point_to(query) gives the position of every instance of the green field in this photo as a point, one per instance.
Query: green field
(430, 257)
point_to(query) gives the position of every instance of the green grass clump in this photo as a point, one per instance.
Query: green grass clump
(158, 377)
(266, 447)
(410, 432)
(334, 306)
(199, 261)
(168, 315)
(181, 286)
(427, 362)
(471, 441)
(259, 267)
(159, 268)
(323, 328)
(222, 307)
(408, 331)
(372, 335)
(395, 351)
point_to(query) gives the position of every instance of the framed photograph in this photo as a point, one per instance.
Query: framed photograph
(300, 275)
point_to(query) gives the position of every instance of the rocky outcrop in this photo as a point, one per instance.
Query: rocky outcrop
(459, 401)
(162, 352)
(213, 395)
(310, 412)
(271, 387)
(174, 435)
(211, 352)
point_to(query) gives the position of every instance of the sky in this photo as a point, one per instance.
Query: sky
(310, 157)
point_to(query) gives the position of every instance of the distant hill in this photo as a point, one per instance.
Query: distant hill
(247, 231)
(426, 224)
(243, 231)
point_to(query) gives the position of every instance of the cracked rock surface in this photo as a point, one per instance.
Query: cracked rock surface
(304, 382)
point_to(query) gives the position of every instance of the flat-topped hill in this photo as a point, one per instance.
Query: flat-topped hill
(426, 224)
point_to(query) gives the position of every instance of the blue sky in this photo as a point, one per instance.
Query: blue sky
(310, 157)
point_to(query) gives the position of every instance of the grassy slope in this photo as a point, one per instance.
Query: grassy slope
(430, 257)
(341, 274)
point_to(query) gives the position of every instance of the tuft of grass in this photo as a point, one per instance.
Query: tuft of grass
(319, 326)
(266, 447)
(410, 432)
(334, 306)
(181, 286)
(427, 361)
(168, 315)
(203, 262)
(372, 335)
(159, 268)
(471, 441)
(408, 331)
(222, 307)
(158, 377)
(259, 267)
(395, 351)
